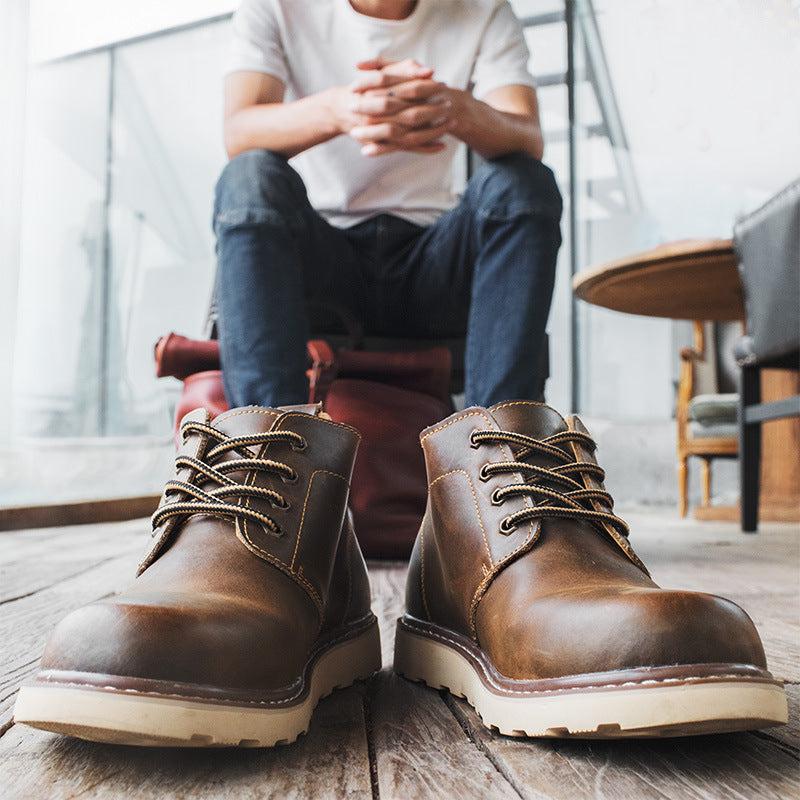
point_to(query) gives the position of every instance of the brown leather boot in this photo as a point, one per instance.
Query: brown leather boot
(525, 597)
(252, 603)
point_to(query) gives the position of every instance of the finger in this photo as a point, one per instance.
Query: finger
(419, 137)
(371, 79)
(402, 86)
(423, 115)
(408, 67)
(381, 132)
(377, 104)
(415, 90)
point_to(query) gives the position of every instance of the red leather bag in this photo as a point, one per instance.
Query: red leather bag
(389, 397)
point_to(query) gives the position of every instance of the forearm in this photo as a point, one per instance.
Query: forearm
(287, 128)
(492, 132)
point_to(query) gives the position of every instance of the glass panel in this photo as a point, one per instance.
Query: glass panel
(166, 159)
(116, 250)
(56, 380)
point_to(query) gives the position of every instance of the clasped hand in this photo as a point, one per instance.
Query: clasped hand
(397, 106)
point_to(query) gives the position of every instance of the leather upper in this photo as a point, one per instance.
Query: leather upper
(225, 602)
(557, 595)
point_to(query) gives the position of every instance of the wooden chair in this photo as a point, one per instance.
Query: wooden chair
(706, 407)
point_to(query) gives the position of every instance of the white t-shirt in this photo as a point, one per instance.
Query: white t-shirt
(312, 45)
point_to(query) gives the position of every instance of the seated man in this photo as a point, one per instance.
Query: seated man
(369, 99)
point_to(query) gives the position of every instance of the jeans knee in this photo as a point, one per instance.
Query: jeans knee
(255, 186)
(516, 184)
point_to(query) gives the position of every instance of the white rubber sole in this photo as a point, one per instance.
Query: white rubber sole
(134, 718)
(643, 708)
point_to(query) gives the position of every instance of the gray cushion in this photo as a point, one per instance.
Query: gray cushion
(714, 409)
(726, 431)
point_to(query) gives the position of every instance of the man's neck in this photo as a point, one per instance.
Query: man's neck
(384, 9)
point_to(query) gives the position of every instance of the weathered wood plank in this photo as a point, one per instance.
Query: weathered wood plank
(26, 623)
(330, 762)
(418, 740)
(731, 766)
(388, 583)
(34, 559)
(421, 750)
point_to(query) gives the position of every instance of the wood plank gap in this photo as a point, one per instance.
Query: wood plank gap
(794, 752)
(370, 733)
(472, 735)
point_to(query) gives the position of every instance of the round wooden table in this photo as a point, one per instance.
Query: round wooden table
(695, 279)
(698, 279)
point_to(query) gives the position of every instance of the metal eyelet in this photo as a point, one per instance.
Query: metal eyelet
(497, 500)
(472, 443)
(505, 527)
(483, 474)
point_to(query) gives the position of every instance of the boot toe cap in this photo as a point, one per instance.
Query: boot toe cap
(189, 640)
(603, 631)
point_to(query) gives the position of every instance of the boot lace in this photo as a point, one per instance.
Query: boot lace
(228, 498)
(555, 491)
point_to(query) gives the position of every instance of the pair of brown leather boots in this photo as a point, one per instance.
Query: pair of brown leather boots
(524, 596)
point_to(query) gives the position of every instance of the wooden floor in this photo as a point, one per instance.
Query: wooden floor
(389, 738)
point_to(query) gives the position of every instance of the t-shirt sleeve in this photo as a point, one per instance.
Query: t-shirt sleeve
(256, 43)
(503, 56)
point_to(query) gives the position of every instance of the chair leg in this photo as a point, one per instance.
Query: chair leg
(749, 449)
(705, 480)
(682, 486)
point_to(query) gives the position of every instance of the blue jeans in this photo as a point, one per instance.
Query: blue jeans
(484, 269)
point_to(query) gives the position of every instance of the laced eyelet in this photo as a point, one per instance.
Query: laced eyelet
(497, 500)
(298, 447)
(293, 478)
(483, 474)
(472, 443)
(284, 505)
(505, 527)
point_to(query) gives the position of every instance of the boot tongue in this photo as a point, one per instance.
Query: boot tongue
(528, 418)
(538, 422)
(246, 421)
(253, 419)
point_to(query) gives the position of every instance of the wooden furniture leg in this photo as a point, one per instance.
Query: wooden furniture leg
(750, 449)
(683, 483)
(705, 480)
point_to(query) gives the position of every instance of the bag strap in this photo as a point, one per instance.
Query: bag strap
(323, 370)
